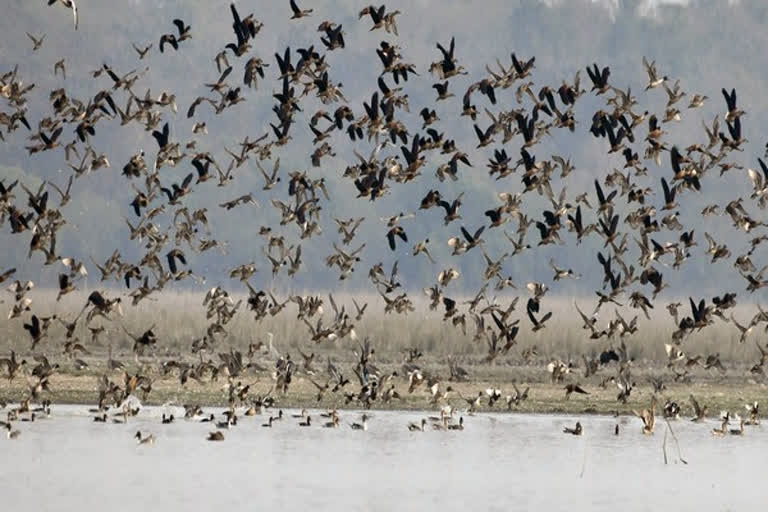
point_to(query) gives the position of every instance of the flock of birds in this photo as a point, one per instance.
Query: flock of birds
(671, 411)
(332, 419)
(621, 125)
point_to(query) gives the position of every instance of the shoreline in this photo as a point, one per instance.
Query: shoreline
(543, 398)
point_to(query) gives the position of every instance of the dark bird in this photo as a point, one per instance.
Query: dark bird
(576, 431)
(174, 255)
(298, 13)
(574, 388)
(162, 136)
(599, 78)
(396, 231)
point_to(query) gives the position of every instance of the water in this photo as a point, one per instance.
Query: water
(499, 462)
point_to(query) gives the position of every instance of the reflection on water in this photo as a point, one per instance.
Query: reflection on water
(499, 462)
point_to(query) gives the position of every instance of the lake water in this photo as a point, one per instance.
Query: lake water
(499, 462)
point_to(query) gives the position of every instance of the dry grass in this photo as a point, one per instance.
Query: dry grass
(180, 317)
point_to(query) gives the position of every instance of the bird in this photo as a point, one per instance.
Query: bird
(59, 66)
(417, 427)
(699, 411)
(168, 39)
(653, 79)
(299, 13)
(396, 231)
(574, 388)
(12, 434)
(442, 91)
(147, 439)
(36, 42)
(363, 425)
(217, 435)
(142, 51)
(648, 416)
(576, 430)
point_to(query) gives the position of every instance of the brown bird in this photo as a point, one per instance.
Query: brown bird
(59, 66)
(142, 51)
(648, 416)
(574, 388)
(299, 13)
(36, 42)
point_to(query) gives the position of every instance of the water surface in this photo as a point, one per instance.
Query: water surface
(499, 462)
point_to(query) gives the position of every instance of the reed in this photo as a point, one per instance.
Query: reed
(179, 317)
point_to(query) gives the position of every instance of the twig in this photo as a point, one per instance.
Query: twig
(584, 461)
(677, 443)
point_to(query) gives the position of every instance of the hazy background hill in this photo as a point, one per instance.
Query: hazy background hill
(706, 44)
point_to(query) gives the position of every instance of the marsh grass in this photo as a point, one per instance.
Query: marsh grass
(179, 317)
